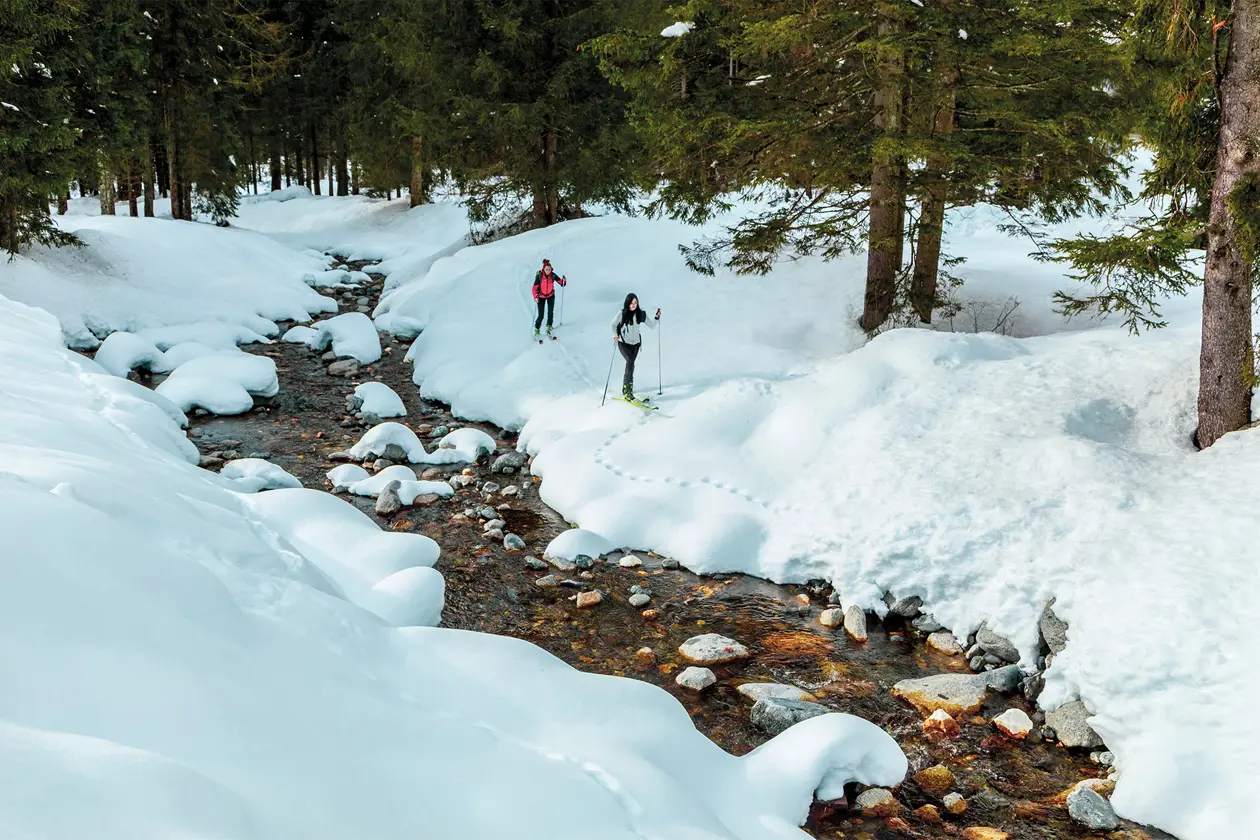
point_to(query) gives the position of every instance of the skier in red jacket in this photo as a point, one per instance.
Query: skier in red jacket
(545, 294)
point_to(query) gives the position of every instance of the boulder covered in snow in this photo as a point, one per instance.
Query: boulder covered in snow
(563, 551)
(469, 441)
(412, 597)
(351, 335)
(379, 399)
(212, 394)
(250, 475)
(221, 383)
(122, 352)
(343, 476)
(299, 335)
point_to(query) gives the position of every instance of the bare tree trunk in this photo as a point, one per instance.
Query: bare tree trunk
(927, 256)
(146, 178)
(1225, 358)
(133, 188)
(161, 167)
(107, 188)
(343, 172)
(887, 188)
(174, 154)
(540, 205)
(275, 170)
(315, 173)
(553, 195)
(63, 202)
(417, 170)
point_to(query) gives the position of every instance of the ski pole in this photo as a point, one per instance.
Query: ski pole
(562, 288)
(659, 386)
(608, 378)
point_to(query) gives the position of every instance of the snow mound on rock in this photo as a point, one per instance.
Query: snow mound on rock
(122, 352)
(250, 475)
(381, 400)
(351, 335)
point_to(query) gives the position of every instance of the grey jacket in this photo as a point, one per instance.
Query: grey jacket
(630, 333)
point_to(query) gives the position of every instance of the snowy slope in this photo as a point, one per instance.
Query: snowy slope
(985, 473)
(140, 273)
(188, 661)
(405, 240)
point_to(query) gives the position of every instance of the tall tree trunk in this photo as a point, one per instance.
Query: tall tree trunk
(356, 176)
(63, 202)
(1225, 358)
(927, 256)
(343, 173)
(300, 165)
(161, 168)
(315, 173)
(417, 170)
(174, 154)
(275, 170)
(887, 187)
(146, 179)
(133, 191)
(107, 188)
(553, 195)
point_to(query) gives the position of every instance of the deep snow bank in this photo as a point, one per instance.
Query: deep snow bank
(141, 273)
(185, 660)
(986, 474)
(405, 240)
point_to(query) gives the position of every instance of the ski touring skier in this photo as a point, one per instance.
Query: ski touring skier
(629, 340)
(545, 296)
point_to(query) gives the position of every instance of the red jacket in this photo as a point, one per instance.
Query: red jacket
(544, 286)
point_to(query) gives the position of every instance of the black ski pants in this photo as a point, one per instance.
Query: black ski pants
(629, 352)
(548, 303)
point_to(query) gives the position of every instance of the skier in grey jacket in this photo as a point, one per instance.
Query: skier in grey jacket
(626, 334)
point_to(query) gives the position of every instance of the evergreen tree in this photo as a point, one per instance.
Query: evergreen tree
(111, 99)
(37, 131)
(539, 118)
(1202, 61)
(839, 113)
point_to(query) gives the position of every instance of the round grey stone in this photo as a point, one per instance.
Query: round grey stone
(773, 715)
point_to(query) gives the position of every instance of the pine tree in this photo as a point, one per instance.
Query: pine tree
(1201, 64)
(37, 134)
(840, 114)
(539, 118)
(111, 54)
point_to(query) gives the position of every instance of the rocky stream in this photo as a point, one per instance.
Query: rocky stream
(984, 764)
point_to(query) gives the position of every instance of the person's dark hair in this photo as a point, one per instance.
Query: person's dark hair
(627, 314)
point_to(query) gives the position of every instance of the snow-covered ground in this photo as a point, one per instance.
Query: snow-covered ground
(141, 273)
(185, 660)
(985, 473)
